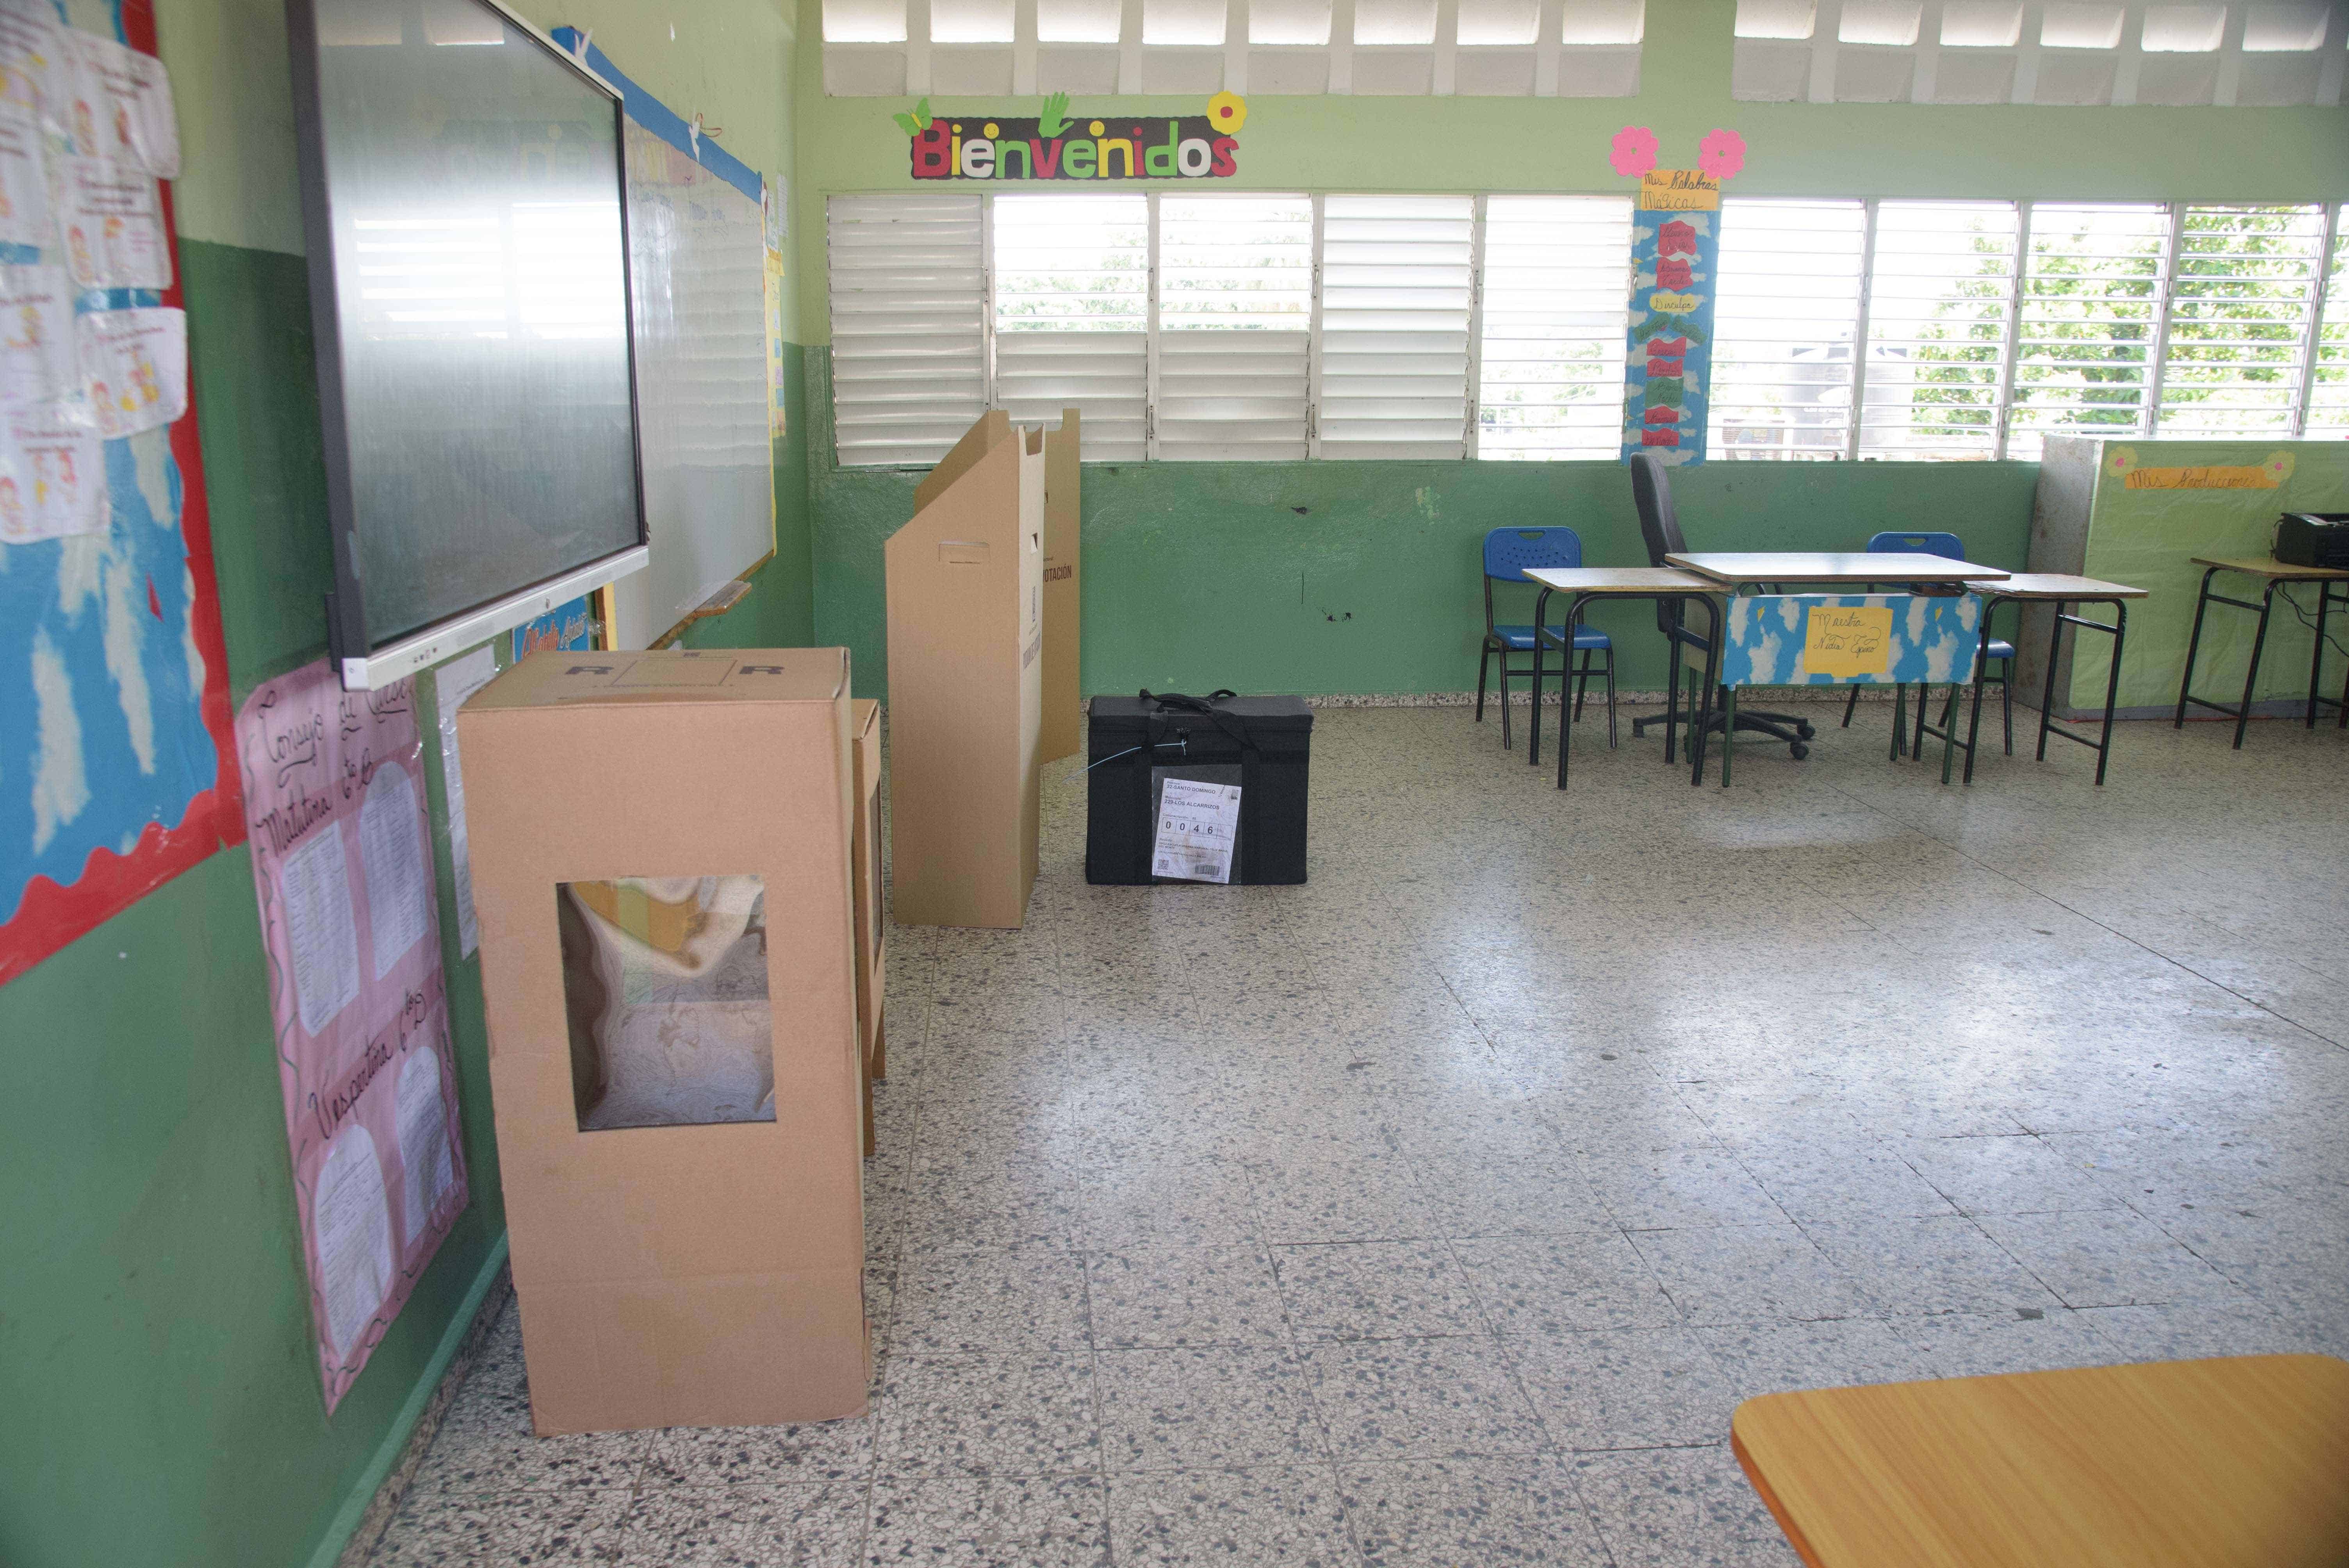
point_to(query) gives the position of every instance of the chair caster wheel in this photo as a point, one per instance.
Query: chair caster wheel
(1799, 749)
(1803, 728)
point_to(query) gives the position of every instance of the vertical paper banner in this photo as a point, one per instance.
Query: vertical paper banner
(342, 862)
(1675, 260)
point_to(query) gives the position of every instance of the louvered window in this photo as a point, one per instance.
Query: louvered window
(1396, 276)
(1550, 348)
(908, 325)
(1235, 318)
(1941, 289)
(2092, 291)
(2328, 390)
(1073, 315)
(1783, 328)
(2240, 310)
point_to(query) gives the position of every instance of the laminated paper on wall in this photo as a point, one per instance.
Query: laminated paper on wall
(134, 364)
(966, 682)
(111, 224)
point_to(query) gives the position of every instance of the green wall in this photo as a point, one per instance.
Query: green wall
(157, 1372)
(1320, 577)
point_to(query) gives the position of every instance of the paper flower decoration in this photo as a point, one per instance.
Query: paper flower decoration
(1633, 150)
(2121, 459)
(1227, 112)
(1721, 154)
(2279, 466)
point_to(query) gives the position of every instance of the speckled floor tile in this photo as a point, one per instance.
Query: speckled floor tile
(1533, 1286)
(1375, 1290)
(1680, 1508)
(1840, 1180)
(1986, 1344)
(1771, 1358)
(452, 1530)
(989, 1298)
(989, 1524)
(987, 1415)
(465, 1459)
(1470, 1513)
(1274, 1518)
(2191, 1333)
(1624, 1388)
(1135, 1197)
(1916, 1266)
(2109, 1258)
(1747, 1273)
(1205, 1408)
(2009, 1175)
(1421, 1398)
(734, 1456)
(1369, 1196)
(1176, 1295)
(1676, 1188)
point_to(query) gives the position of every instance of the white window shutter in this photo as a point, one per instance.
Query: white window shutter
(1396, 279)
(1940, 291)
(2328, 371)
(1556, 292)
(1071, 315)
(1235, 311)
(1784, 326)
(2242, 305)
(2093, 287)
(908, 326)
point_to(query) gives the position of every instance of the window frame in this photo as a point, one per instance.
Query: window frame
(2302, 378)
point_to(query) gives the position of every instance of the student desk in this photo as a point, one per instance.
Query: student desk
(2275, 573)
(2062, 591)
(1588, 583)
(2240, 1462)
(1841, 568)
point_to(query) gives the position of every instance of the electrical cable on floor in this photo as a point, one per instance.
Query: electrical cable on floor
(2285, 591)
(1185, 743)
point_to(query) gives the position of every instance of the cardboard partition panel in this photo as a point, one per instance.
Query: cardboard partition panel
(1063, 722)
(966, 685)
(872, 921)
(660, 847)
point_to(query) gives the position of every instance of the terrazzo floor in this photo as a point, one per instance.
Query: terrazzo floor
(1440, 1211)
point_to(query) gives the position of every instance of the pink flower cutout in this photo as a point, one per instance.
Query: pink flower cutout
(1721, 154)
(1633, 150)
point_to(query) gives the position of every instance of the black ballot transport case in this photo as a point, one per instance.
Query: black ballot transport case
(1134, 744)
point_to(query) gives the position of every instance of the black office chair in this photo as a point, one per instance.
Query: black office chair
(1659, 525)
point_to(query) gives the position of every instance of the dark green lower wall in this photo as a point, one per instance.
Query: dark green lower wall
(1363, 577)
(159, 1389)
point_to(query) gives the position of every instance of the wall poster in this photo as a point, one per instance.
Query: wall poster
(342, 863)
(1675, 275)
(118, 765)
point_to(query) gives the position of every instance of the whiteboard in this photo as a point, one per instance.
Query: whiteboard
(696, 261)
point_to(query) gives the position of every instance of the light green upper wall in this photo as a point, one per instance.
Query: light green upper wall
(1343, 143)
(728, 60)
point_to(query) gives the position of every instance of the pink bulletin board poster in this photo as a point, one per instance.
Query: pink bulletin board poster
(342, 863)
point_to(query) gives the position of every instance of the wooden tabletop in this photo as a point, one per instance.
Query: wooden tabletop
(2240, 1462)
(2057, 585)
(2267, 566)
(1629, 579)
(1840, 567)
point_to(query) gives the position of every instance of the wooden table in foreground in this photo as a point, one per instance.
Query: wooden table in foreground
(1584, 583)
(2240, 1462)
(2066, 593)
(2274, 574)
(1837, 568)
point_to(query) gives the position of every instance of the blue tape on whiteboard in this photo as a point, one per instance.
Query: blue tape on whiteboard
(662, 120)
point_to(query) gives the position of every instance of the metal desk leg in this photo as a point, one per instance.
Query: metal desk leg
(1533, 725)
(1982, 666)
(2251, 675)
(1728, 731)
(1565, 661)
(1700, 726)
(1900, 719)
(2193, 646)
(2316, 659)
(2055, 649)
(2111, 688)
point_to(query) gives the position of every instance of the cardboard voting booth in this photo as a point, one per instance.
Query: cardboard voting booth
(872, 922)
(1063, 722)
(660, 847)
(966, 585)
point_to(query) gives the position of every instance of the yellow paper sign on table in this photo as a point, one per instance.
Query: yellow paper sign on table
(1855, 640)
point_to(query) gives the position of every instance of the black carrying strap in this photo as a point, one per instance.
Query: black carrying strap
(1230, 723)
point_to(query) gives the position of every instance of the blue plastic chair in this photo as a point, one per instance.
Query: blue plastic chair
(1997, 650)
(1508, 551)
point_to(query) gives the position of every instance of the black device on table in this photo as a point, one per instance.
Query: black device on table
(2313, 539)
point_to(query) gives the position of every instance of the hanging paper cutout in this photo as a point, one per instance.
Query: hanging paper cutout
(1675, 266)
(1051, 146)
